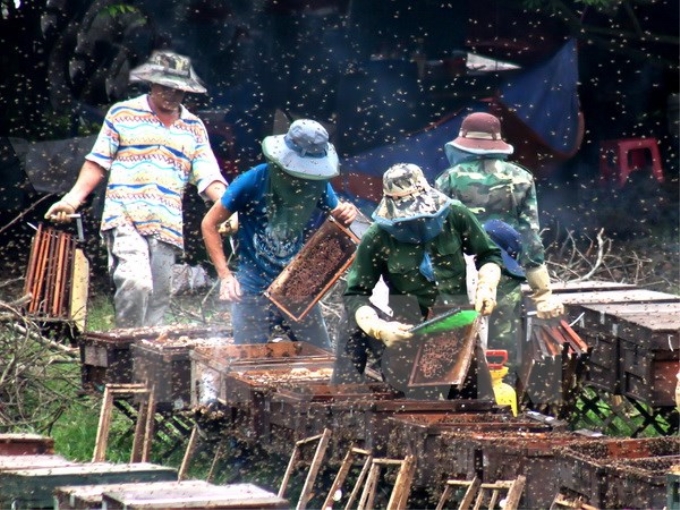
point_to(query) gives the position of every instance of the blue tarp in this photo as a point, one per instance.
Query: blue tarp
(544, 98)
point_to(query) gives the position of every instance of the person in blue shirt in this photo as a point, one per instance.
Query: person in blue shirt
(275, 201)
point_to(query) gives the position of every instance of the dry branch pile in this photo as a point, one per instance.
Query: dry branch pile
(39, 377)
(646, 263)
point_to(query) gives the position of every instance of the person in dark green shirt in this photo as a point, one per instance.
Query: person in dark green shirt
(416, 245)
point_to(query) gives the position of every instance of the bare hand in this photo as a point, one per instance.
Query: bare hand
(230, 288)
(345, 213)
(60, 212)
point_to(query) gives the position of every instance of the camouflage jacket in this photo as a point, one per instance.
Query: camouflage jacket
(497, 189)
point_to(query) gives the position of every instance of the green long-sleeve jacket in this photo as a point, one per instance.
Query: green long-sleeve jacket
(497, 189)
(380, 254)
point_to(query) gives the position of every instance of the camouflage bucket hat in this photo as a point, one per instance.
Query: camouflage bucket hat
(407, 195)
(304, 151)
(480, 133)
(170, 70)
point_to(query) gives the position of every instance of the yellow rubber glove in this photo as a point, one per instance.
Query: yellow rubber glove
(547, 305)
(390, 333)
(488, 277)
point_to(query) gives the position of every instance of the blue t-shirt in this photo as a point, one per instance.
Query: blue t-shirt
(262, 257)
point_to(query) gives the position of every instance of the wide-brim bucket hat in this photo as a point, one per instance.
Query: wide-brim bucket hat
(304, 151)
(509, 241)
(170, 70)
(407, 195)
(480, 133)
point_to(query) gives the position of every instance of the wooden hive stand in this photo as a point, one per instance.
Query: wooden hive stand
(480, 495)
(402, 484)
(562, 501)
(343, 472)
(322, 441)
(189, 453)
(141, 445)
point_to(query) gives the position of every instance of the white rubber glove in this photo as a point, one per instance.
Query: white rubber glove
(488, 277)
(547, 305)
(390, 333)
(60, 211)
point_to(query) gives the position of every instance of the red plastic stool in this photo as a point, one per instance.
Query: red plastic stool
(618, 158)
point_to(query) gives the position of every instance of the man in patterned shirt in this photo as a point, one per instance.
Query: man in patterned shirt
(495, 189)
(149, 149)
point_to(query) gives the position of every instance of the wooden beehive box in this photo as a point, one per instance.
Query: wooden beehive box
(576, 297)
(165, 362)
(575, 294)
(645, 479)
(379, 426)
(574, 301)
(302, 410)
(105, 359)
(25, 444)
(428, 436)
(549, 374)
(597, 471)
(647, 347)
(248, 393)
(533, 454)
(215, 362)
(34, 487)
(21, 461)
(90, 497)
(10, 493)
(181, 497)
(106, 356)
(603, 371)
(314, 270)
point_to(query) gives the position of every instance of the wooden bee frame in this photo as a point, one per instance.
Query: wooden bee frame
(314, 270)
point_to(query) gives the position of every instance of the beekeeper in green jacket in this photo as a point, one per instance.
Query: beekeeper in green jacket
(416, 244)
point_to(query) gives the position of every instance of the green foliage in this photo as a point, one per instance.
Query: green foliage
(614, 416)
(100, 313)
(75, 433)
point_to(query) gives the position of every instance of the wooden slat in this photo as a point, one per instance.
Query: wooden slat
(144, 426)
(32, 262)
(43, 246)
(342, 473)
(25, 444)
(50, 276)
(87, 497)
(313, 470)
(402, 484)
(56, 310)
(239, 496)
